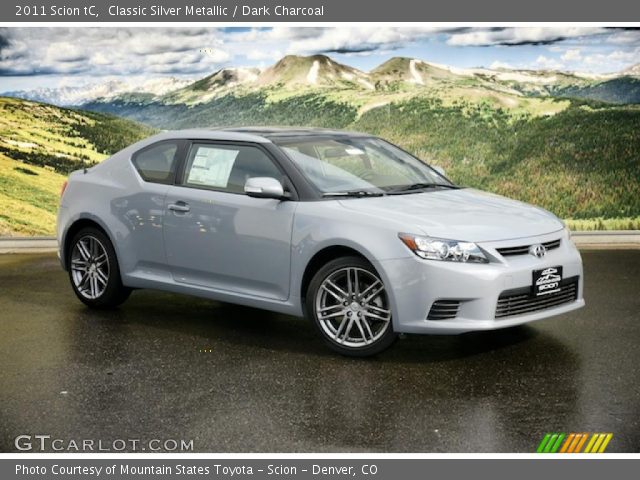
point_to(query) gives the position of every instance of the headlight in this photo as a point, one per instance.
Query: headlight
(441, 249)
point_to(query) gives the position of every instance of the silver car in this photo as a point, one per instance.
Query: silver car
(343, 228)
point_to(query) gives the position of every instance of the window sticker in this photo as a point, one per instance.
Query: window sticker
(212, 166)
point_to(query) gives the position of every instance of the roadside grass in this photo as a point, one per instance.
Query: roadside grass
(594, 224)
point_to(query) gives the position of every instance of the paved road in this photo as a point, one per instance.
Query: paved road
(265, 382)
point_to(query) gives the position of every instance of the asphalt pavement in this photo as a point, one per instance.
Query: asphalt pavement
(232, 379)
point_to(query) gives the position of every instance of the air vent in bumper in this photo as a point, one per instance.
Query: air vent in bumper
(524, 249)
(520, 301)
(443, 310)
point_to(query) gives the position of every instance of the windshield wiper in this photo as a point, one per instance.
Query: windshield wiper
(353, 193)
(419, 186)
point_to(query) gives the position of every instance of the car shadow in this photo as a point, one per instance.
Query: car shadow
(439, 348)
(215, 323)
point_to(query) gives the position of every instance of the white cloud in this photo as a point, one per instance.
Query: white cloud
(600, 61)
(295, 33)
(623, 37)
(520, 35)
(260, 55)
(111, 51)
(548, 63)
(616, 60)
(360, 39)
(622, 56)
(572, 55)
(64, 52)
(357, 39)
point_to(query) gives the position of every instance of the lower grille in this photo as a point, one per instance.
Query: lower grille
(524, 249)
(443, 309)
(520, 301)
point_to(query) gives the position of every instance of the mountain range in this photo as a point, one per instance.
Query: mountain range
(110, 89)
(320, 71)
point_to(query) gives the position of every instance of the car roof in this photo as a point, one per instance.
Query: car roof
(254, 134)
(272, 132)
(209, 134)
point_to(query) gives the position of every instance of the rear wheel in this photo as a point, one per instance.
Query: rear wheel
(93, 270)
(349, 304)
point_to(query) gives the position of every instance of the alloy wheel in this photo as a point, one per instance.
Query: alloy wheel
(352, 307)
(90, 267)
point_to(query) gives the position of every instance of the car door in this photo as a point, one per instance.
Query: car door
(139, 207)
(216, 236)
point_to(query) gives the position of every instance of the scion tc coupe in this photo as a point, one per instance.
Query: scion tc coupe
(346, 229)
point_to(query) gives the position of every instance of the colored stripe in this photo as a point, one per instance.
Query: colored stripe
(555, 448)
(581, 443)
(607, 439)
(576, 440)
(596, 446)
(573, 442)
(543, 443)
(592, 440)
(567, 442)
(550, 443)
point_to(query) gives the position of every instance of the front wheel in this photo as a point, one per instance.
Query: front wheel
(93, 270)
(349, 305)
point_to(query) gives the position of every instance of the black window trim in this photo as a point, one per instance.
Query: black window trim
(289, 186)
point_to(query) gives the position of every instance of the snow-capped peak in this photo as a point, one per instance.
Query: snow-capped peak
(109, 89)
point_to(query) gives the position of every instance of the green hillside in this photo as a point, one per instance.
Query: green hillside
(39, 145)
(581, 163)
(621, 90)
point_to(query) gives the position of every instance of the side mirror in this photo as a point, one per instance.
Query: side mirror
(264, 187)
(438, 169)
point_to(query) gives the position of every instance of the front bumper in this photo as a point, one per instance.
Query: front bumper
(414, 284)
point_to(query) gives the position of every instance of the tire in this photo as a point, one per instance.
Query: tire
(93, 270)
(353, 317)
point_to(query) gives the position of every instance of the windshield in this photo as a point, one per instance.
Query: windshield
(360, 164)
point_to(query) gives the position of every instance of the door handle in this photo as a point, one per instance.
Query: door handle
(179, 207)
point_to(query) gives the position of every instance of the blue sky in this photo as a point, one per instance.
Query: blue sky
(53, 57)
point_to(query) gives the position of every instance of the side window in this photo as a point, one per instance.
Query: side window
(157, 164)
(227, 167)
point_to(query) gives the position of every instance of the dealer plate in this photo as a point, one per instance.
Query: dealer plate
(547, 281)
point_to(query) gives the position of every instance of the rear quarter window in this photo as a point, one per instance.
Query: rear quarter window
(157, 163)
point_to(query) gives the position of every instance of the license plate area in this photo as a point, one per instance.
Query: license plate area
(547, 280)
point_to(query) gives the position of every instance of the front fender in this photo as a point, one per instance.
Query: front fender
(321, 225)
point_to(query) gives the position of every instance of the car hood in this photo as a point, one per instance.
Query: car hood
(463, 214)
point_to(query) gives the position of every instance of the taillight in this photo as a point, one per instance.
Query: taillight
(64, 187)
